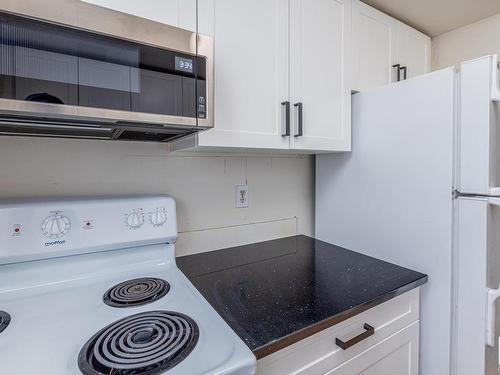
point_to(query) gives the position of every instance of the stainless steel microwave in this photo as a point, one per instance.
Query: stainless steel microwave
(72, 69)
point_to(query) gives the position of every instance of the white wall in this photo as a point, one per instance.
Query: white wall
(281, 188)
(475, 40)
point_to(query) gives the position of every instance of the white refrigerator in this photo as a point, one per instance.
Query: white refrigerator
(421, 188)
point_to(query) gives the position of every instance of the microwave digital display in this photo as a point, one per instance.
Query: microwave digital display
(183, 64)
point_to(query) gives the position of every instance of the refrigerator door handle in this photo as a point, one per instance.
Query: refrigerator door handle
(495, 90)
(494, 201)
(491, 297)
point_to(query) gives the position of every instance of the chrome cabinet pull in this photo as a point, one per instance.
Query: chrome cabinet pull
(398, 71)
(299, 119)
(286, 131)
(344, 345)
(405, 71)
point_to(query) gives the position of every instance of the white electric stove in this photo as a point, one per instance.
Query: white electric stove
(91, 287)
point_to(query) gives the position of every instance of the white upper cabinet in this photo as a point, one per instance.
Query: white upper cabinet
(251, 72)
(271, 55)
(412, 50)
(385, 49)
(320, 88)
(178, 13)
(373, 32)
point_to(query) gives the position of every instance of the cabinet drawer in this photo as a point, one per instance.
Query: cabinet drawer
(397, 354)
(318, 353)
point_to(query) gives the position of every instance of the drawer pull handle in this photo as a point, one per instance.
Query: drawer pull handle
(369, 331)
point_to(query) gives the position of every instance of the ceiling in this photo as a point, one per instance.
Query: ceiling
(434, 17)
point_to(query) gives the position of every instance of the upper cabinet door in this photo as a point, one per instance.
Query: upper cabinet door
(178, 13)
(251, 72)
(373, 34)
(412, 50)
(381, 42)
(320, 74)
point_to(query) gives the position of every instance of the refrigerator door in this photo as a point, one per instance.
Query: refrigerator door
(391, 197)
(479, 136)
(477, 252)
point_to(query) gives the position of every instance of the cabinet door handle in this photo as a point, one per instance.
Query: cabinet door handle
(369, 331)
(398, 71)
(298, 133)
(405, 71)
(286, 132)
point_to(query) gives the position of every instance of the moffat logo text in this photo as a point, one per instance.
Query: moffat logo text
(58, 242)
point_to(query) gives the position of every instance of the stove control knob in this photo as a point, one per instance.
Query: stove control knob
(55, 226)
(134, 220)
(158, 217)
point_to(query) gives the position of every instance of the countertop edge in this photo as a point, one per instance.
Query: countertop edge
(272, 347)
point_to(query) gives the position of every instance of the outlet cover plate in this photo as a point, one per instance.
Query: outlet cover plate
(241, 195)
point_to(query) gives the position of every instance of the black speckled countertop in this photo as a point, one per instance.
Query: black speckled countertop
(278, 292)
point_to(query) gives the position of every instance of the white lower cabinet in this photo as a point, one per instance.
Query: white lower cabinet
(391, 350)
(396, 355)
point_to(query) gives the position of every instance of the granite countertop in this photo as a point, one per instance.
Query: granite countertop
(278, 292)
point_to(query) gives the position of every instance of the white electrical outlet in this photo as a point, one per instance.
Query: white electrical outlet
(241, 196)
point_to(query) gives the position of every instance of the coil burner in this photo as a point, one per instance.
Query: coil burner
(136, 292)
(4, 320)
(144, 343)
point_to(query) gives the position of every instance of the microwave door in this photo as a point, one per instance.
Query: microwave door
(85, 75)
(157, 92)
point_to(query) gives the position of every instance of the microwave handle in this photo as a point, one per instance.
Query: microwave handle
(299, 132)
(286, 131)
